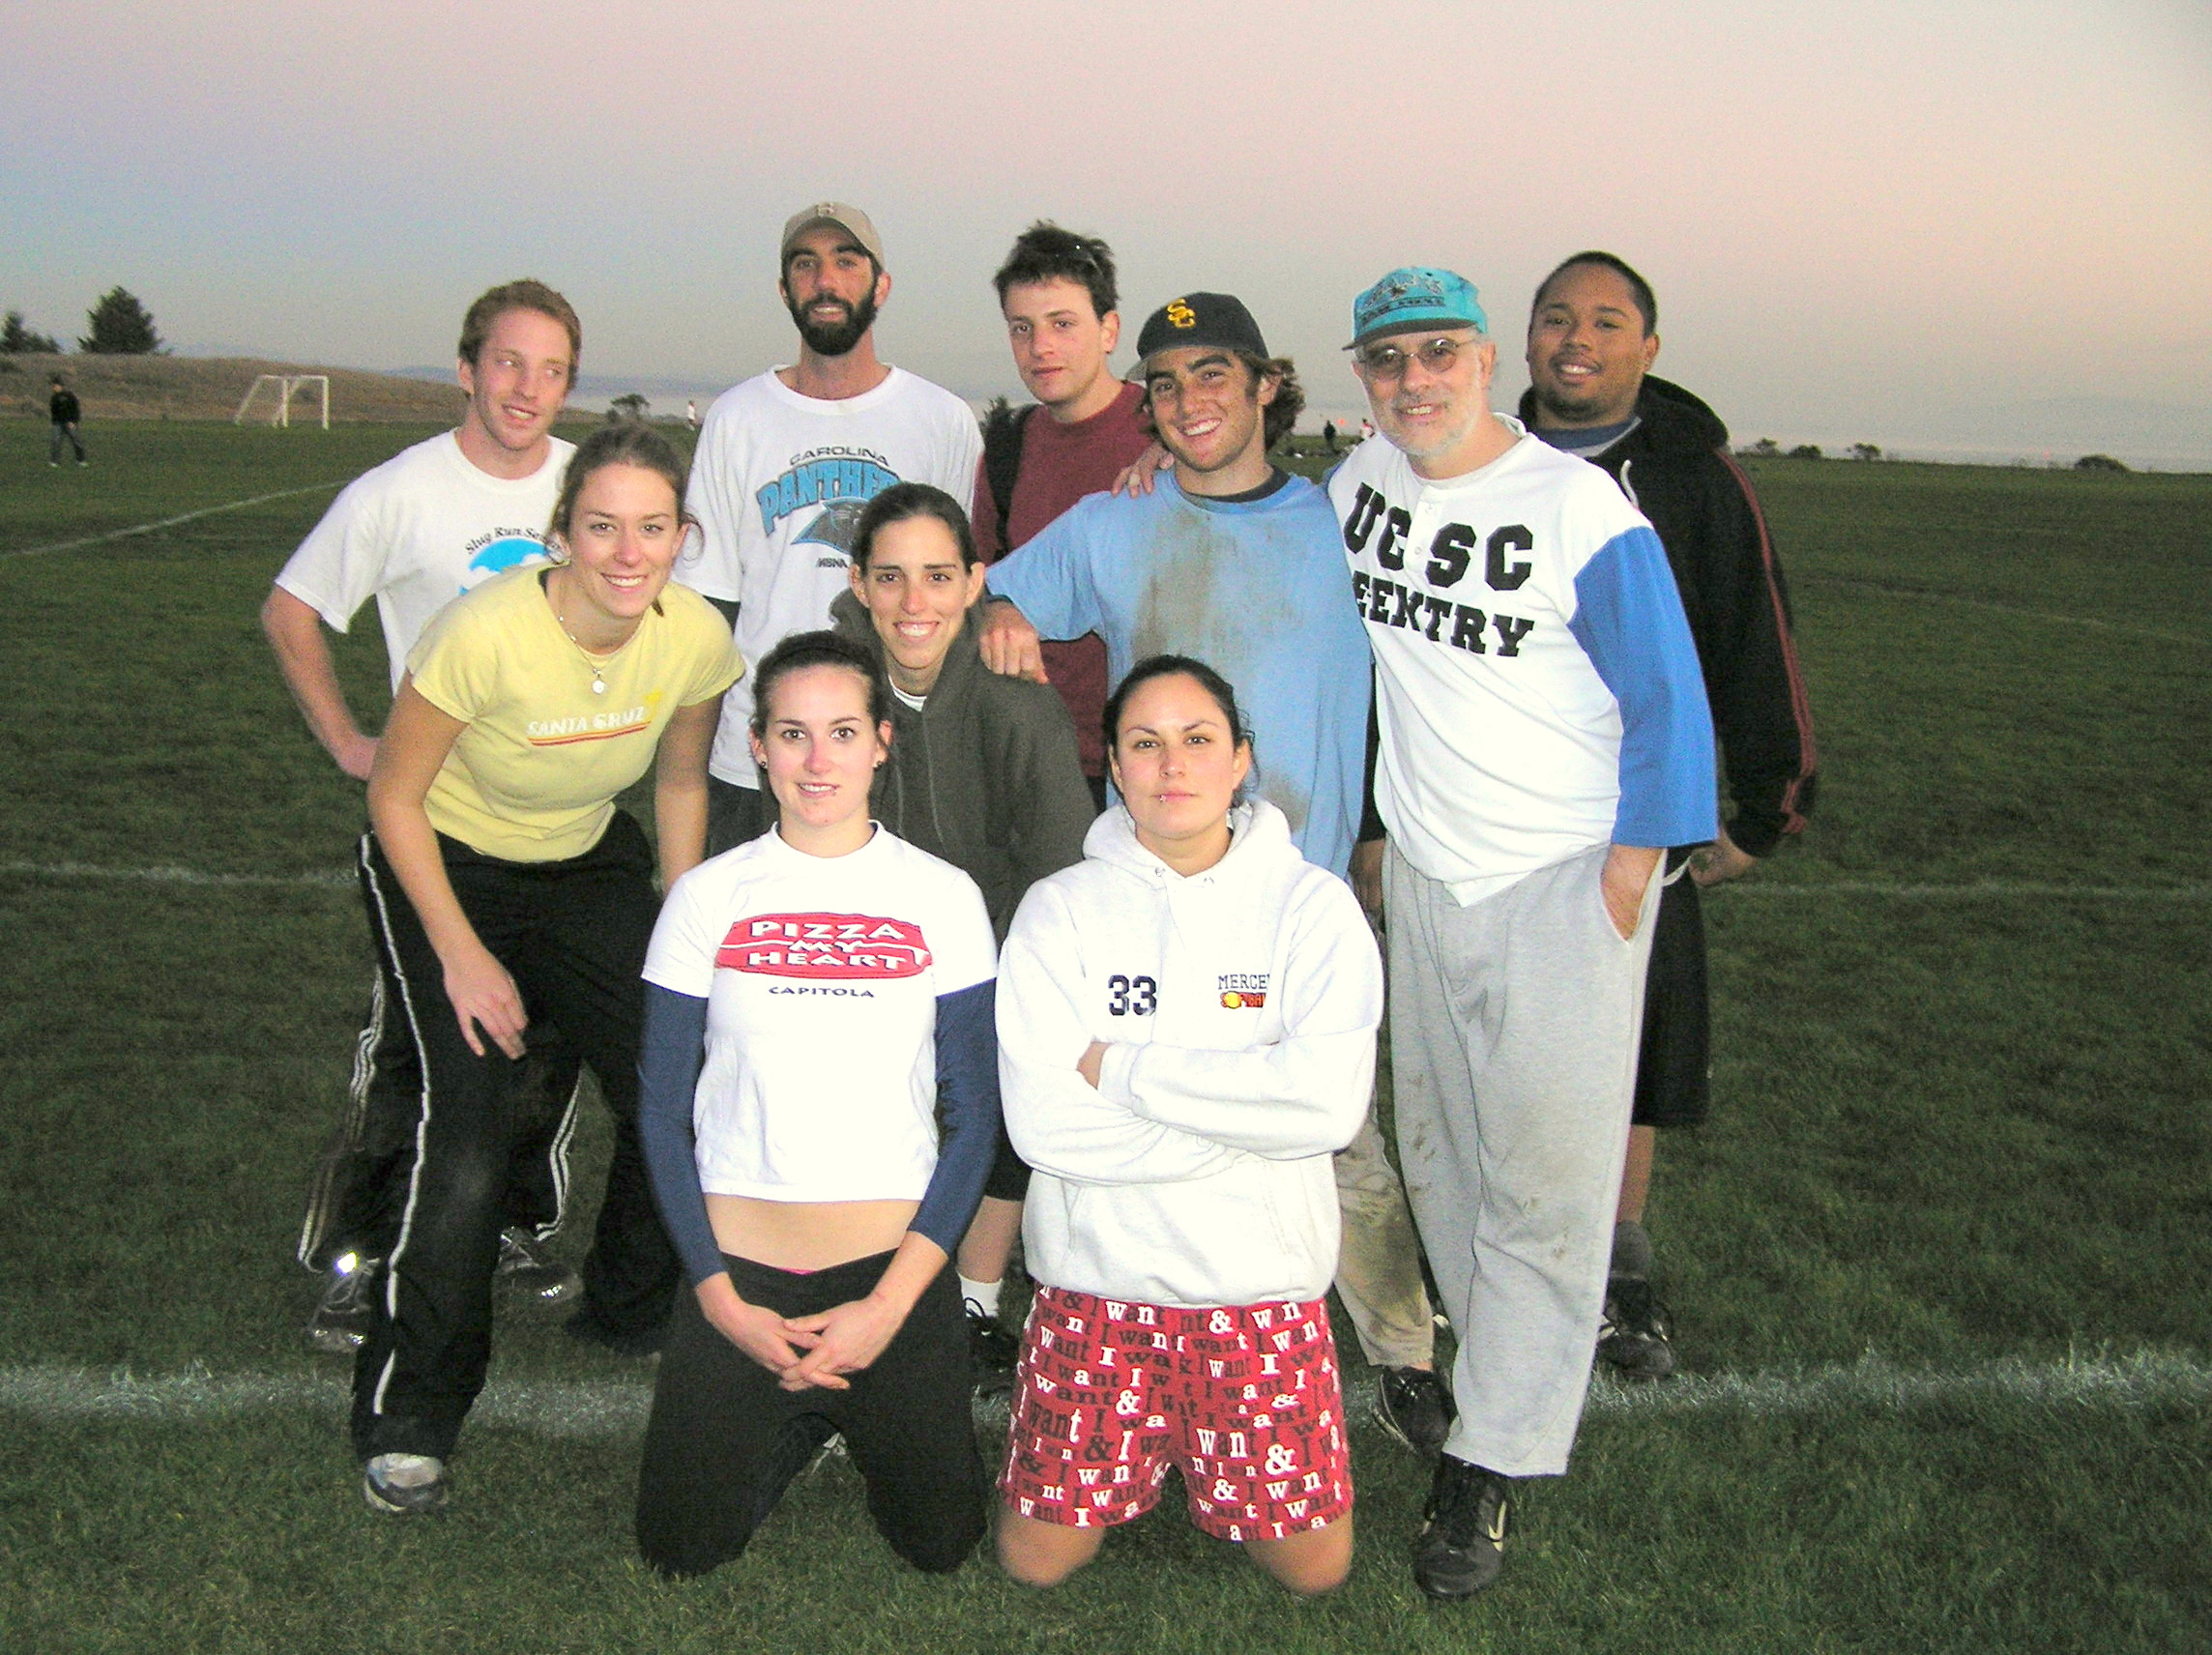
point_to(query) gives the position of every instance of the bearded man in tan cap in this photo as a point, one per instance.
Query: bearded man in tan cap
(786, 461)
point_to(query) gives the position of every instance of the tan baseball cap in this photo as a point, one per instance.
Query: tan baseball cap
(840, 215)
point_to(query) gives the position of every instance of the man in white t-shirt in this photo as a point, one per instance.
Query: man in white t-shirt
(414, 533)
(787, 459)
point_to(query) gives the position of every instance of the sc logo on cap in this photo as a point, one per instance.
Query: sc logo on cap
(1181, 315)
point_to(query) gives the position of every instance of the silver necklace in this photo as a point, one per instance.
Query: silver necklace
(599, 683)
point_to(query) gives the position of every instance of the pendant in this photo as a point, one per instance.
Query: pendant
(598, 684)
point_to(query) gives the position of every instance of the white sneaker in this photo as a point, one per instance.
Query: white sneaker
(404, 1485)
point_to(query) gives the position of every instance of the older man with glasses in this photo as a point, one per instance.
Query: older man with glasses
(1544, 740)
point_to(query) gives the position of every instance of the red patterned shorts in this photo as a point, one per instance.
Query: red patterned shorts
(1245, 1401)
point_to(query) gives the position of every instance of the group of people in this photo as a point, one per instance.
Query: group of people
(1026, 801)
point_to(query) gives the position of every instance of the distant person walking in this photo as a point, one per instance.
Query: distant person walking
(63, 409)
(1328, 435)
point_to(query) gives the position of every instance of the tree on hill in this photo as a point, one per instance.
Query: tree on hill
(1807, 451)
(2098, 462)
(121, 326)
(17, 340)
(1865, 451)
(1766, 449)
(630, 405)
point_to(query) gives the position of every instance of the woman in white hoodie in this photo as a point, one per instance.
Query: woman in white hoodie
(1186, 1032)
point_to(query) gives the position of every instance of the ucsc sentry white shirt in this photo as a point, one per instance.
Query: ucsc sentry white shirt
(1537, 690)
(777, 486)
(416, 533)
(821, 977)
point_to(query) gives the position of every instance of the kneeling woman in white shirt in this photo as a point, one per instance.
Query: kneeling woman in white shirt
(813, 998)
(1186, 1032)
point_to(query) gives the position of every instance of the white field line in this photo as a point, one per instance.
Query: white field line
(553, 1407)
(170, 522)
(1905, 594)
(1995, 890)
(332, 880)
(1992, 890)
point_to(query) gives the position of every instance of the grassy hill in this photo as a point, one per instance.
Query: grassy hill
(209, 387)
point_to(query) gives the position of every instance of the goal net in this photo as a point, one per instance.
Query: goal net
(270, 398)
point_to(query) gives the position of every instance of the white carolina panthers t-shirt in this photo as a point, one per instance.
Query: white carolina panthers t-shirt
(777, 485)
(416, 533)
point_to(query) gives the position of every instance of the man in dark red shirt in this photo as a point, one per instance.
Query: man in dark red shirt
(1056, 291)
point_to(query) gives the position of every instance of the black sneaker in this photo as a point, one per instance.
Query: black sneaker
(1463, 1531)
(1415, 1407)
(1633, 1339)
(404, 1485)
(343, 1313)
(527, 1269)
(991, 1349)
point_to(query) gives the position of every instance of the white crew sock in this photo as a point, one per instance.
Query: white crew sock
(984, 1295)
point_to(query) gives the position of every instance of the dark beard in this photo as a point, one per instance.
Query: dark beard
(836, 339)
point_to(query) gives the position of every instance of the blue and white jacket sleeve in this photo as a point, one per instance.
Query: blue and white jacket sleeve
(1629, 621)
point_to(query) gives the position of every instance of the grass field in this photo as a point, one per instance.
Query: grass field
(1940, 1261)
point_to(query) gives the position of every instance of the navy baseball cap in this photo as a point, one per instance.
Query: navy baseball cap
(1201, 319)
(1413, 298)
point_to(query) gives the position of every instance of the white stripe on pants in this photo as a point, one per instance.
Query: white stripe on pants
(1514, 1025)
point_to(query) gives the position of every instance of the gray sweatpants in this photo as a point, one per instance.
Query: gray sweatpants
(1513, 1045)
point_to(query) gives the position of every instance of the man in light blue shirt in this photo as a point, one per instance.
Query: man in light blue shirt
(1230, 560)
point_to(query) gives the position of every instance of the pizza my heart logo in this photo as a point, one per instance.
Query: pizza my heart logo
(817, 945)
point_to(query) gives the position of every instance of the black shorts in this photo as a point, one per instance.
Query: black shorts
(725, 1440)
(1674, 1068)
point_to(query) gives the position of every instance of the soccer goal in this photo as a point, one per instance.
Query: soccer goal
(270, 396)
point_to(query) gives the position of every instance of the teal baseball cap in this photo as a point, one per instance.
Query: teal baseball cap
(1411, 298)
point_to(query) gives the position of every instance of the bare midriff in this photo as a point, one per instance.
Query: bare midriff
(807, 1235)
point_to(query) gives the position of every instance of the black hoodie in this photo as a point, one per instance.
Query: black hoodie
(1676, 467)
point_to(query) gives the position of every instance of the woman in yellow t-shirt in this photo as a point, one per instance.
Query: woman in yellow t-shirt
(503, 885)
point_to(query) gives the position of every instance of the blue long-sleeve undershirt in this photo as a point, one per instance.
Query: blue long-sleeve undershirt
(675, 1048)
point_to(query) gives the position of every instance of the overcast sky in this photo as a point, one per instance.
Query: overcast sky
(1926, 225)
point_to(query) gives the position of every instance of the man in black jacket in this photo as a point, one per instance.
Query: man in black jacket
(1592, 336)
(63, 411)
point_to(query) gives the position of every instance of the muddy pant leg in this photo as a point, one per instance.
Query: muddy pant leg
(1379, 1270)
